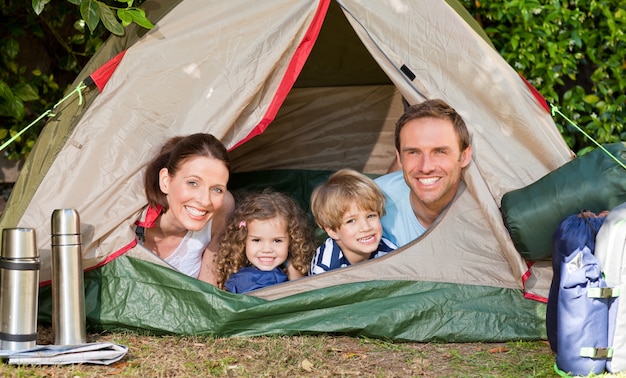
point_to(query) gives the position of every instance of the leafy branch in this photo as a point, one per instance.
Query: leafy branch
(42, 49)
(114, 19)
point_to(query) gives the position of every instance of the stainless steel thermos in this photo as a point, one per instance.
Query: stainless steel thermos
(68, 293)
(19, 289)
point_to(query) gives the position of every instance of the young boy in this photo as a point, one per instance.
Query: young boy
(348, 207)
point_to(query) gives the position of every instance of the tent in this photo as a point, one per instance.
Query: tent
(297, 89)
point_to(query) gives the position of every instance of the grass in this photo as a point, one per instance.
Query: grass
(302, 356)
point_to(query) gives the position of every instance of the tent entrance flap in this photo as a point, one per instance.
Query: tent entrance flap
(422, 311)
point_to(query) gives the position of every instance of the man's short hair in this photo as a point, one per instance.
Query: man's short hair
(435, 109)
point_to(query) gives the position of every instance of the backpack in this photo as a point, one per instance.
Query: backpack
(577, 315)
(610, 248)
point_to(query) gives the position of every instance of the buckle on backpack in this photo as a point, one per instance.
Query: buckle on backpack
(596, 352)
(603, 292)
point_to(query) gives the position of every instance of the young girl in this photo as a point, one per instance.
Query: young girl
(188, 204)
(267, 231)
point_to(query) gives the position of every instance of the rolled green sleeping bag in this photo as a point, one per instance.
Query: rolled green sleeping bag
(593, 182)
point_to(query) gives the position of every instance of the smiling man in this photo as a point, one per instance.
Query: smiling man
(433, 146)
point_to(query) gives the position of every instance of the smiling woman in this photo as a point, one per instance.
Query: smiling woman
(188, 203)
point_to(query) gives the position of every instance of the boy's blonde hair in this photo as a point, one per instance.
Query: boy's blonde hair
(331, 200)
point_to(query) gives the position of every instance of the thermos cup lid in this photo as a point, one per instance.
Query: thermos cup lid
(65, 222)
(19, 243)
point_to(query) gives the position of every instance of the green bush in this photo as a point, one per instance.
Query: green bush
(40, 55)
(42, 49)
(572, 52)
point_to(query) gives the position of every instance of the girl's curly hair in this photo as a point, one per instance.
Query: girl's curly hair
(268, 204)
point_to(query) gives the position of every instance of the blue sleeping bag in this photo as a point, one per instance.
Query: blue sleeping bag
(577, 317)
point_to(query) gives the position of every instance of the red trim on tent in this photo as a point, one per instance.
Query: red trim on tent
(536, 297)
(151, 216)
(295, 66)
(106, 261)
(117, 254)
(102, 75)
(542, 101)
(528, 273)
(527, 295)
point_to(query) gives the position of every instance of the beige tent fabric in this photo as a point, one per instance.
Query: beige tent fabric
(515, 141)
(67, 115)
(446, 253)
(207, 66)
(328, 128)
(215, 66)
